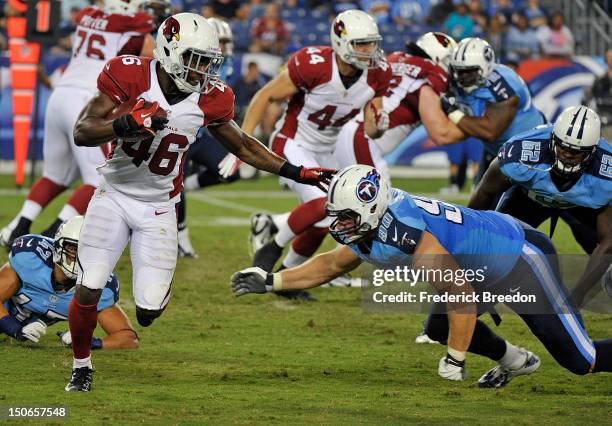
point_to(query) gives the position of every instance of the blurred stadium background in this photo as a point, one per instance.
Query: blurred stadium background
(559, 58)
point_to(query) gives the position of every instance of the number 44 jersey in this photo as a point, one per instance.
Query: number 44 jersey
(315, 114)
(151, 169)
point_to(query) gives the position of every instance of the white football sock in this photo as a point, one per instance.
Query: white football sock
(293, 259)
(284, 235)
(30, 210)
(280, 219)
(80, 363)
(513, 358)
(68, 212)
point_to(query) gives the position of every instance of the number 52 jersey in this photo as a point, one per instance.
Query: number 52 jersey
(151, 169)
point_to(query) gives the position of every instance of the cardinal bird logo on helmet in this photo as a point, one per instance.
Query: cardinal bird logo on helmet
(339, 28)
(442, 38)
(171, 29)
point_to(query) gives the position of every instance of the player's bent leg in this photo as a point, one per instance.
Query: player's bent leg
(154, 249)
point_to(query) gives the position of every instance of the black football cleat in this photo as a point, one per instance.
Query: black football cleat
(299, 295)
(22, 228)
(499, 377)
(267, 256)
(52, 229)
(81, 380)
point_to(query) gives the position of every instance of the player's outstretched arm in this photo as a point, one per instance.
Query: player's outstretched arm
(493, 183)
(119, 331)
(431, 255)
(253, 152)
(278, 89)
(92, 127)
(599, 261)
(496, 119)
(439, 128)
(318, 270)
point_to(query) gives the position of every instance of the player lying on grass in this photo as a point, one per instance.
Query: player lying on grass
(37, 285)
(561, 170)
(389, 227)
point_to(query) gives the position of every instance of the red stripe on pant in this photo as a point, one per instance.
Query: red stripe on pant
(306, 215)
(307, 243)
(44, 191)
(80, 198)
(361, 146)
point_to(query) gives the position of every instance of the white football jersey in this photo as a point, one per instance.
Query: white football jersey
(315, 115)
(99, 37)
(152, 169)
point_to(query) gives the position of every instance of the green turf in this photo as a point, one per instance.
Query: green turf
(214, 359)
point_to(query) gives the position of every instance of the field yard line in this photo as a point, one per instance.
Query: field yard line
(227, 221)
(213, 200)
(286, 194)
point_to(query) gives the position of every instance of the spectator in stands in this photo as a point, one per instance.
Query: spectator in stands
(556, 40)
(207, 11)
(600, 97)
(521, 40)
(496, 35)
(502, 7)
(378, 9)
(225, 9)
(342, 5)
(68, 8)
(407, 12)
(478, 15)
(245, 88)
(439, 12)
(269, 33)
(536, 15)
(459, 24)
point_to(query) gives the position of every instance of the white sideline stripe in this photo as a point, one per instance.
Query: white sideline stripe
(209, 199)
(217, 221)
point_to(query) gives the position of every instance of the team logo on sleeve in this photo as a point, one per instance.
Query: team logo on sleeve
(171, 29)
(367, 188)
(339, 28)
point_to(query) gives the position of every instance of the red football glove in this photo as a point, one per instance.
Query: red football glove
(317, 176)
(144, 117)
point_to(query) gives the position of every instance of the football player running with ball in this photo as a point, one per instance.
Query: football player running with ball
(178, 92)
(445, 237)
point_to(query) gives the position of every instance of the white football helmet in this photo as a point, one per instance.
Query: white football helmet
(224, 32)
(350, 29)
(69, 233)
(159, 10)
(436, 46)
(471, 63)
(122, 7)
(358, 197)
(186, 43)
(575, 136)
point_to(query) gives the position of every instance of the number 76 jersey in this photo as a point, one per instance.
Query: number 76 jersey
(315, 114)
(151, 169)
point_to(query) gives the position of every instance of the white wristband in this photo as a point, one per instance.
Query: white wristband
(458, 355)
(456, 116)
(277, 281)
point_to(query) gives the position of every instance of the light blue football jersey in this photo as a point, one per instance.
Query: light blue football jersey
(527, 159)
(502, 84)
(31, 257)
(477, 239)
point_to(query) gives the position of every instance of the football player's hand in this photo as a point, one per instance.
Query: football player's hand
(381, 118)
(250, 280)
(451, 369)
(317, 176)
(65, 338)
(145, 117)
(33, 331)
(449, 103)
(229, 165)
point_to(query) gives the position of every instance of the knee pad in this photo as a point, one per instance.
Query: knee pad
(146, 317)
(94, 276)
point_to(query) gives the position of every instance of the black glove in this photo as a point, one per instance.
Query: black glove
(251, 280)
(449, 103)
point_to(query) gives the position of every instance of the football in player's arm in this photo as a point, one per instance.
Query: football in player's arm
(37, 284)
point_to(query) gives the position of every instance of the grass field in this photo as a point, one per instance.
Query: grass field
(215, 359)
